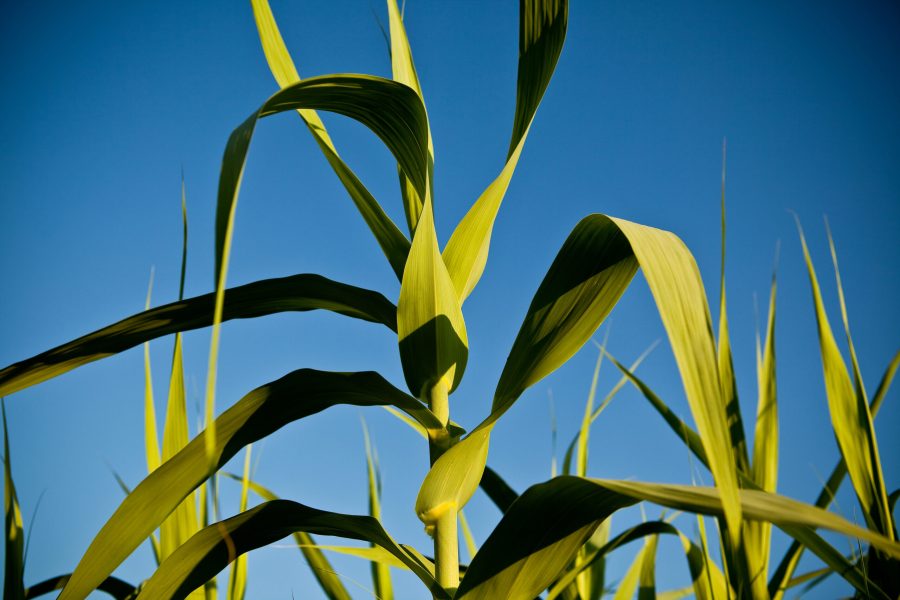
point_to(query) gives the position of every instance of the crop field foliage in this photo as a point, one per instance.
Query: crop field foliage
(204, 505)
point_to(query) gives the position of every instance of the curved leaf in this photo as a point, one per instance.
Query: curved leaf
(393, 243)
(115, 587)
(210, 550)
(257, 415)
(543, 530)
(321, 569)
(542, 31)
(404, 71)
(587, 278)
(393, 111)
(295, 293)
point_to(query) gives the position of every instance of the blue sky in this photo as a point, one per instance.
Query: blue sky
(106, 103)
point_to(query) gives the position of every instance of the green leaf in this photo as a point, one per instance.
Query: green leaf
(214, 547)
(113, 586)
(393, 111)
(183, 523)
(543, 530)
(764, 468)
(391, 240)
(790, 560)
(258, 414)
(295, 293)
(14, 538)
(321, 569)
(850, 418)
(237, 576)
(542, 31)
(381, 573)
(151, 437)
(404, 71)
(434, 346)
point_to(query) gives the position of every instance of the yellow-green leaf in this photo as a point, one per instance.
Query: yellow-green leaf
(434, 346)
(14, 535)
(295, 293)
(542, 31)
(850, 418)
(392, 241)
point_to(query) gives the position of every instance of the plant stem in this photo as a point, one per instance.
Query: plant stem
(446, 540)
(446, 550)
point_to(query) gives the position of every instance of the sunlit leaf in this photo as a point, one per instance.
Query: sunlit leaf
(213, 548)
(257, 415)
(295, 293)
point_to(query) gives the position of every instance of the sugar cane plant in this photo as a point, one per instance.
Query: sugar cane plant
(539, 543)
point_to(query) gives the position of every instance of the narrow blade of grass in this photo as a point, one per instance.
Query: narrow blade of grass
(237, 576)
(850, 418)
(151, 437)
(381, 574)
(14, 535)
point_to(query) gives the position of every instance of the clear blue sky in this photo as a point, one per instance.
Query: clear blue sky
(105, 103)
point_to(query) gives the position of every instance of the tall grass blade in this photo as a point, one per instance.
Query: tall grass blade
(542, 31)
(850, 418)
(647, 580)
(393, 243)
(629, 584)
(471, 546)
(381, 573)
(14, 535)
(214, 547)
(764, 469)
(790, 560)
(151, 437)
(404, 71)
(258, 414)
(237, 577)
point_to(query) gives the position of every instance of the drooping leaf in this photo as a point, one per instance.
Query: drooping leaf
(295, 293)
(391, 240)
(851, 419)
(257, 415)
(404, 71)
(113, 586)
(543, 529)
(393, 111)
(321, 568)
(213, 548)
(542, 31)
(14, 535)
(588, 276)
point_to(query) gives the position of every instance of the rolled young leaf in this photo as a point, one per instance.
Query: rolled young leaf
(295, 293)
(258, 414)
(210, 550)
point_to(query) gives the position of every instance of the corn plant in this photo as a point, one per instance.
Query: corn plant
(542, 530)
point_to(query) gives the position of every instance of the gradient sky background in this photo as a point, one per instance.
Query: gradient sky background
(105, 103)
